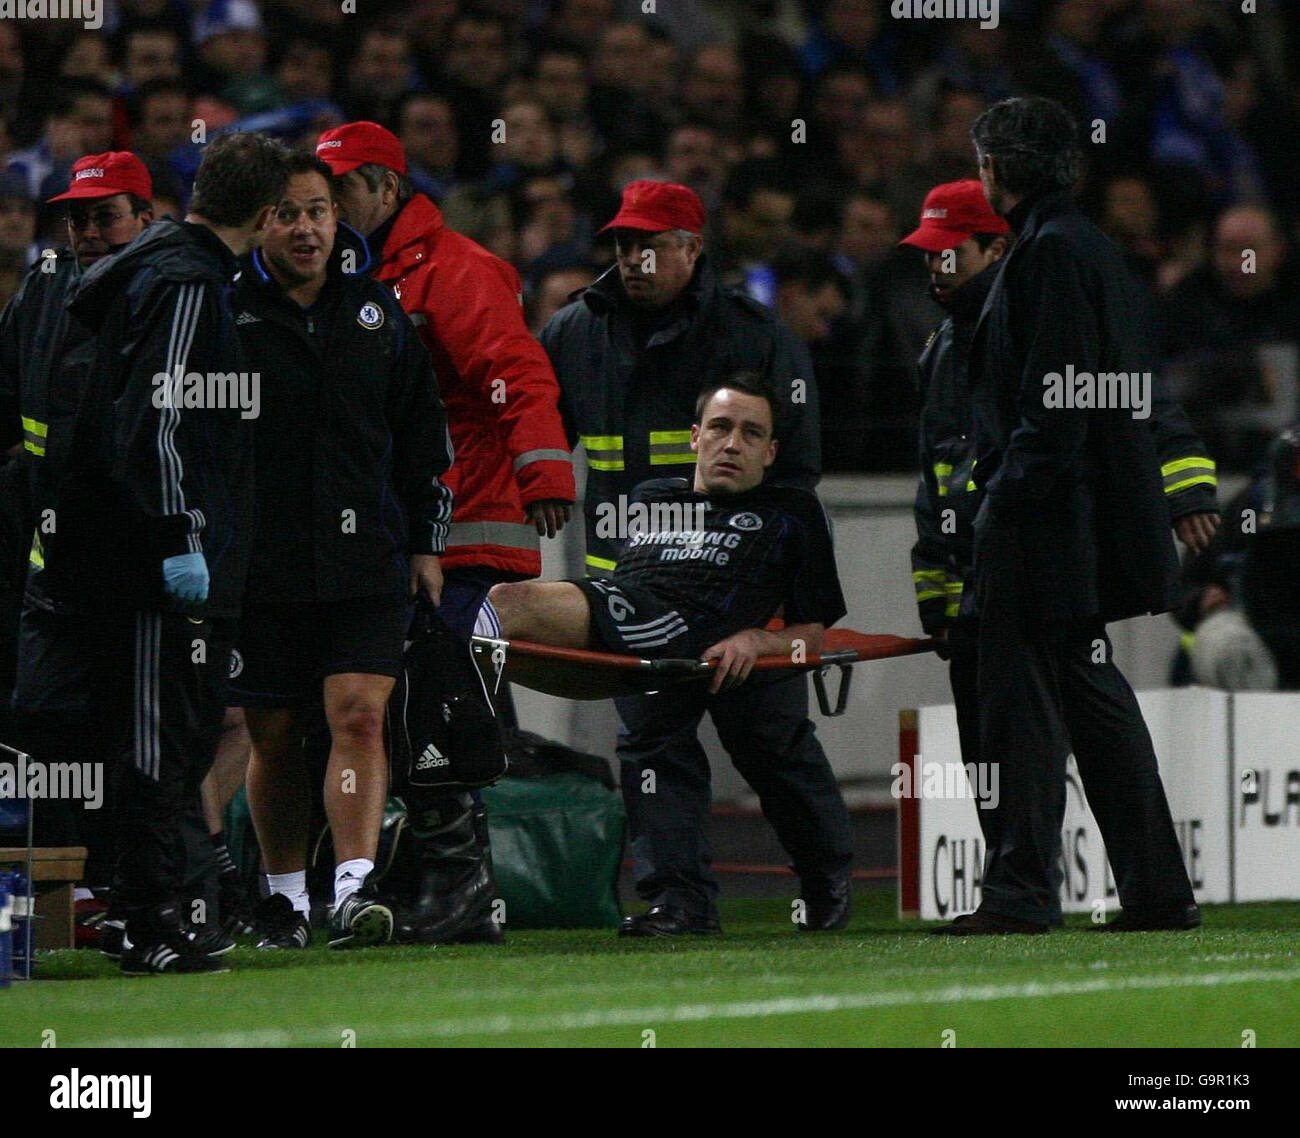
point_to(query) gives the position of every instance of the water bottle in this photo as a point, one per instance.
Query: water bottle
(6, 930)
(23, 926)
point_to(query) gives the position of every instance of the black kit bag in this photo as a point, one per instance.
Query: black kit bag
(443, 733)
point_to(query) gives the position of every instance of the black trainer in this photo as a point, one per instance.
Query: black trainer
(280, 924)
(159, 944)
(362, 920)
(211, 940)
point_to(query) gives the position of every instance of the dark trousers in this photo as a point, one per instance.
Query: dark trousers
(152, 690)
(1042, 688)
(765, 728)
(963, 677)
(63, 679)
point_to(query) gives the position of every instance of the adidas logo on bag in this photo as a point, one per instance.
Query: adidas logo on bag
(431, 758)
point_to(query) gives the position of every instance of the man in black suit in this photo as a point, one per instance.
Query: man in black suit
(1073, 533)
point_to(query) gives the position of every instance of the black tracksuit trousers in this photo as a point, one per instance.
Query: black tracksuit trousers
(153, 694)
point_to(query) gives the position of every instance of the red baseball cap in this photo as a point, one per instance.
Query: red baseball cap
(657, 206)
(103, 175)
(951, 214)
(355, 143)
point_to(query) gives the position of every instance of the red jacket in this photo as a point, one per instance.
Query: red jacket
(496, 380)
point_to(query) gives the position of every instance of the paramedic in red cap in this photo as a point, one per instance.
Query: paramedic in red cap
(110, 203)
(108, 200)
(632, 354)
(964, 242)
(512, 476)
(958, 234)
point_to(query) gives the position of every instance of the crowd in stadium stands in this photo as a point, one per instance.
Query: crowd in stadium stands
(812, 129)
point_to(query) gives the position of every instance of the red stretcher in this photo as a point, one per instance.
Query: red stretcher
(577, 673)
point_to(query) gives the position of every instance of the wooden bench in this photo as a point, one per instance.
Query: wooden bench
(55, 873)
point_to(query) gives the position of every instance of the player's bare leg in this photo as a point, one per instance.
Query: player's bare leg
(356, 779)
(356, 788)
(279, 797)
(279, 800)
(548, 612)
(223, 780)
(229, 768)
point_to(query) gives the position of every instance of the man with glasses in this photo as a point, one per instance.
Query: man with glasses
(512, 479)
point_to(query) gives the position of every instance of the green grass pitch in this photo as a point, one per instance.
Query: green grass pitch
(881, 982)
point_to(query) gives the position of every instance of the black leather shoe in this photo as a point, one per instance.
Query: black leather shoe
(980, 923)
(1178, 919)
(826, 909)
(664, 920)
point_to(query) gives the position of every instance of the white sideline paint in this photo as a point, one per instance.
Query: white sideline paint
(507, 1024)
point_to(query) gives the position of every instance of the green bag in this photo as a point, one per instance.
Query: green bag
(557, 845)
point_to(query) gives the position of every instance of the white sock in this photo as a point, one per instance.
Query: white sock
(348, 876)
(294, 886)
(487, 623)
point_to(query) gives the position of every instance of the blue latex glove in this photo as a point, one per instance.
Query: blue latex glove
(185, 577)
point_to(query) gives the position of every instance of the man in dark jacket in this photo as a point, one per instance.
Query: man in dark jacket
(152, 510)
(631, 355)
(351, 517)
(1073, 532)
(44, 356)
(964, 242)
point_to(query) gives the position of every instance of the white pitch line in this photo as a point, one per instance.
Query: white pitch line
(506, 1024)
